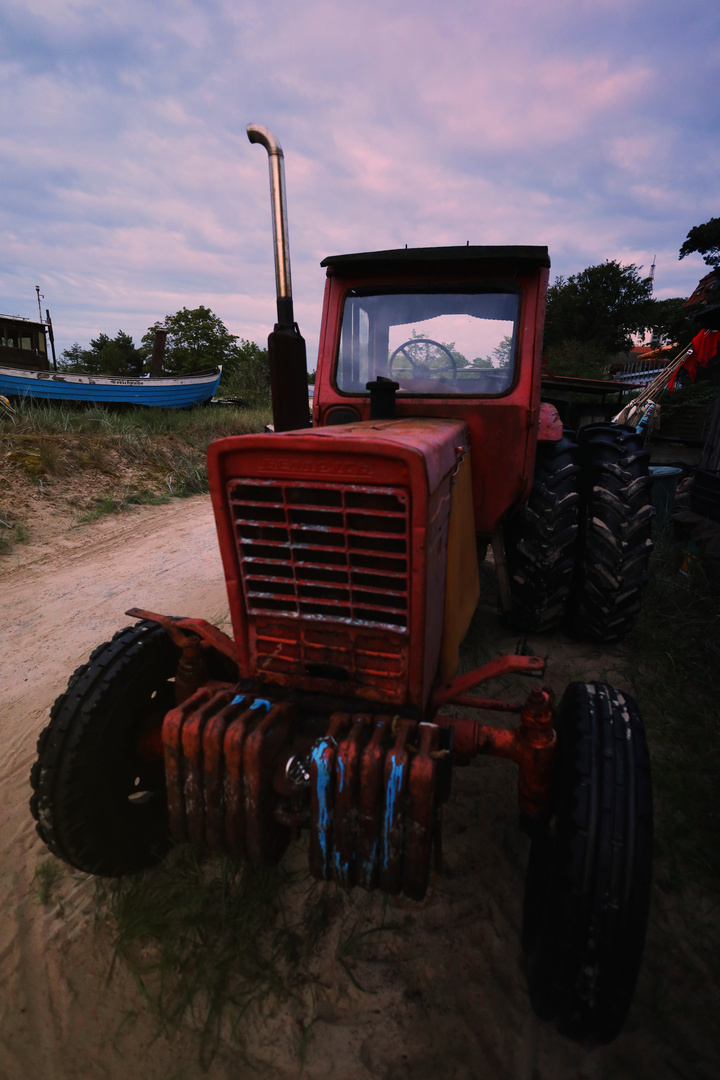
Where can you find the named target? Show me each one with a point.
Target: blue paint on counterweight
(324, 789)
(342, 870)
(393, 788)
(367, 866)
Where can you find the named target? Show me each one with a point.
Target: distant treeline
(196, 339)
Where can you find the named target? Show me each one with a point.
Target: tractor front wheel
(587, 891)
(99, 781)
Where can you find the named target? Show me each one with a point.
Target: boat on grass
(25, 372)
(166, 392)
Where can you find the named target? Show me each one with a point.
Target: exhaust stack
(286, 346)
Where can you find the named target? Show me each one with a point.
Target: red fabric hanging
(704, 346)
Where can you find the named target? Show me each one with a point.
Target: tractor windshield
(429, 342)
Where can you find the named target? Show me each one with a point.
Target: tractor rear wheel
(615, 523)
(587, 890)
(98, 786)
(541, 539)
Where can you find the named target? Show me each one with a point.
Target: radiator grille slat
(298, 651)
(323, 551)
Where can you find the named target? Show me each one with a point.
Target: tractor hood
(439, 442)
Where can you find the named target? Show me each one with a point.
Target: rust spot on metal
(371, 802)
(174, 761)
(393, 826)
(347, 790)
(502, 665)
(532, 745)
(266, 837)
(233, 781)
(214, 772)
(420, 814)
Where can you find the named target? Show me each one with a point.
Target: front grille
(331, 552)
(343, 655)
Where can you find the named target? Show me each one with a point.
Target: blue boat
(167, 392)
(25, 372)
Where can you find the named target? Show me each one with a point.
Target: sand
(442, 997)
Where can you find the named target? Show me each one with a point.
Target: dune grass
(147, 455)
(194, 426)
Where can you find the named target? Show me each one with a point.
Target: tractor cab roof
(517, 259)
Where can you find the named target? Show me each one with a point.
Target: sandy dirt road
(443, 997)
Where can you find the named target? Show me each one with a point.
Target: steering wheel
(421, 358)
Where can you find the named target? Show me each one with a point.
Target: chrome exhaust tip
(286, 346)
(276, 161)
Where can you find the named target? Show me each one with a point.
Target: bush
(247, 376)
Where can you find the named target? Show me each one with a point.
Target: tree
(118, 355)
(72, 359)
(196, 339)
(705, 239)
(602, 305)
(247, 376)
(106, 356)
(501, 353)
(669, 321)
(580, 359)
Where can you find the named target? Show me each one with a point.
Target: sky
(128, 187)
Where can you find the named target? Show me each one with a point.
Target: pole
(51, 336)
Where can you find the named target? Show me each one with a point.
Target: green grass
(10, 535)
(196, 426)
(106, 505)
(208, 939)
(151, 454)
(205, 940)
(47, 879)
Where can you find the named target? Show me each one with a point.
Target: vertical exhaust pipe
(286, 346)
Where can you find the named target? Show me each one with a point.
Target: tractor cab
(452, 333)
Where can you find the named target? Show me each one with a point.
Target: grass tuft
(205, 940)
(10, 535)
(47, 878)
(188, 475)
(107, 505)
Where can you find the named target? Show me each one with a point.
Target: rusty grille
(323, 551)
(359, 656)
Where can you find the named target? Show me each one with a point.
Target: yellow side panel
(462, 582)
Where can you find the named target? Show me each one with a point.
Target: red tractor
(350, 550)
